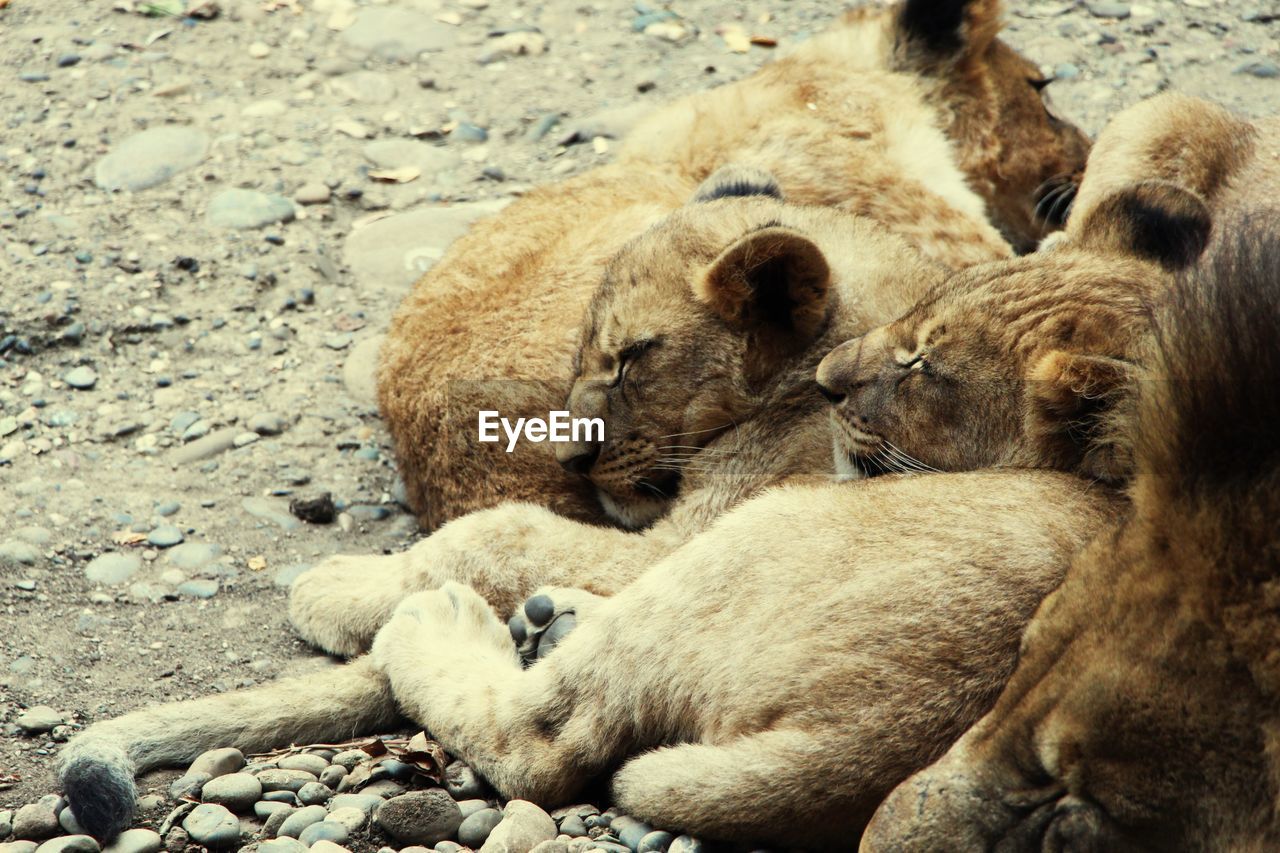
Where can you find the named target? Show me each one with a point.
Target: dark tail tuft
(97, 778)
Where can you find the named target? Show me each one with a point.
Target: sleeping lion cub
(916, 116)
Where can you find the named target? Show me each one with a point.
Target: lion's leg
(504, 553)
(779, 785)
(452, 668)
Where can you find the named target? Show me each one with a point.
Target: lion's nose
(580, 461)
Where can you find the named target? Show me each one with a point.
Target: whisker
(695, 432)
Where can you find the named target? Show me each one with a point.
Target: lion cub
(916, 116)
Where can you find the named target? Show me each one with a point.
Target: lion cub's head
(1018, 152)
(715, 314)
(1021, 362)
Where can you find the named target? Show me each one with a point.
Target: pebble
(655, 842)
(216, 762)
(312, 192)
(259, 50)
(363, 802)
(359, 371)
(420, 817)
(212, 825)
(312, 764)
(348, 759)
(112, 568)
(353, 819)
(240, 208)
(470, 807)
(135, 841)
(165, 536)
(39, 719)
(69, 844)
(35, 821)
(286, 575)
(301, 819)
(282, 845)
(555, 846)
(271, 826)
(204, 445)
(523, 827)
(573, 825)
(685, 844)
(275, 512)
(192, 556)
(391, 254)
(199, 588)
(236, 791)
(428, 159)
(18, 847)
(81, 378)
(1101, 9)
(629, 830)
(397, 34)
(332, 775)
(188, 786)
(264, 809)
(244, 439)
(1265, 69)
(20, 553)
(314, 794)
(325, 830)
(475, 829)
(150, 158)
(323, 846)
(71, 826)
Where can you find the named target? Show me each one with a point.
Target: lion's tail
(98, 766)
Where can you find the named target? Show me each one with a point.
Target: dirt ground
(225, 370)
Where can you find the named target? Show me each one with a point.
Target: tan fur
(700, 392)
(1142, 715)
(858, 119)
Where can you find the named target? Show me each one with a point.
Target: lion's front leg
(453, 668)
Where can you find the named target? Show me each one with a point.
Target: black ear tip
(937, 24)
(1171, 225)
(737, 182)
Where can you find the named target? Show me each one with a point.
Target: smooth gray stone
(420, 817)
(112, 568)
(474, 830)
(237, 208)
(212, 825)
(301, 819)
(325, 830)
(236, 791)
(135, 841)
(150, 158)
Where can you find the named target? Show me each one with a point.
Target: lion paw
(546, 618)
(441, 624)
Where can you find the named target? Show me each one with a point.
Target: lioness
(1145, 710)
(916, 116)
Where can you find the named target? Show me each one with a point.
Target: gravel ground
(206, 222)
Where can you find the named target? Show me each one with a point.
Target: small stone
(193, 556)
(19, 553)
(1066, 71)
(135, 841)
(18, 847)
(325, 830)
(112, 568)
(1265, 69)
(264, 809)
(470, 807)
(685, 844)
(397, 34)
(573, 825)
(35, 821)
(69, 844)
(313, 764)
(323, 846)
(462, 783)
(314, 794)
(188, 786)
(629, 830)
(71, 826)
(282, 845)
(236, 791)
(352, 818)
(271, 826)
(312, 192)
(39, 719)
(212, 825)
(655, 842)
(244, 439)
(240, 208)
(150, 158)
(81, 378)
(350, 758)
(474, 830)
(277, 513)
(523, 827)
(333, 774)
(259, 50)
(301, 819)
(1101, 9)
(420, 817)
(165, 536)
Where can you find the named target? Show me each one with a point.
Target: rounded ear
(772, 282)
(1153, 220)
(938, 32)
(737, 181)
(1075, 402)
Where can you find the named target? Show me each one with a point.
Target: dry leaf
(257, 563)
(403, 175)
(128, 537)
(764, 41)
(3, 3)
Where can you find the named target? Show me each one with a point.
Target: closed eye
(916, 363)
(628, 356)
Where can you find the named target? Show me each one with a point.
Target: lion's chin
(633, 512)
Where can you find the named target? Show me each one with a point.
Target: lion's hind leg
(786, 786)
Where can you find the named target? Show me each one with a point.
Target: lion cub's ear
(734, 181)
(772, 286)
(1154, 220)
(932, 34)
(1074, 404)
